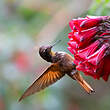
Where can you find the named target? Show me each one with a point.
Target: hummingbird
(61, 64)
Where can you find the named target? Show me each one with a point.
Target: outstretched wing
(50, 76)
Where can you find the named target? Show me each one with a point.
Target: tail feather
(77, 76)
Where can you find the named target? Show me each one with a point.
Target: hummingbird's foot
(74, 72)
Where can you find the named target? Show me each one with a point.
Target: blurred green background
(25, 25)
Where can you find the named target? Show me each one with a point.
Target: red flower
(90, 45)
(22, 61)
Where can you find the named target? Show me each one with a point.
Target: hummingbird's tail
(77, 76)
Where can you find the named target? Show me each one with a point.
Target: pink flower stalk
(90, 45)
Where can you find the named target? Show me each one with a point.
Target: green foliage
(28, 14)
(100, 8)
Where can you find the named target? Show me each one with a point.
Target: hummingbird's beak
(56, 43)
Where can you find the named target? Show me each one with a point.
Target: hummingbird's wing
(77, 76)
(50, 76)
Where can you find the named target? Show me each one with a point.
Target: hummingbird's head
(45, 53)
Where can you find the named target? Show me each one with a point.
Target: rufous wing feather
(50, 76)
(77, 76)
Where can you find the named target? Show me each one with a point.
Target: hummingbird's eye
(47, 50)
